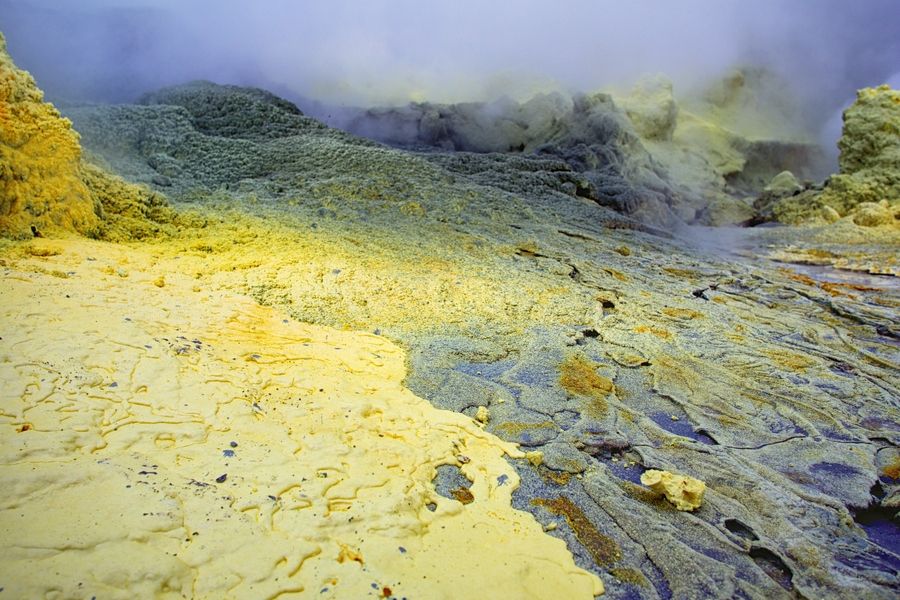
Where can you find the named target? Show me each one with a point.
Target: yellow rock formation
(40, 182)
(166, 442)
(686, 493)
(870, 157)
(45, 184)
(866, 192)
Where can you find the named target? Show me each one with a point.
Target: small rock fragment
(685, 492)
(872, 214)
(463, 495)
(535, 457)
(482, 415)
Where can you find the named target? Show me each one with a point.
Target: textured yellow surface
(686, 493)
(157, 441)
(45, 184)
(366, 279)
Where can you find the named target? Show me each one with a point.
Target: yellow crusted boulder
(686, 493)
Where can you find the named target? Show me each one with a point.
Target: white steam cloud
(365, 52)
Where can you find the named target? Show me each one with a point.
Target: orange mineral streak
(578, 376)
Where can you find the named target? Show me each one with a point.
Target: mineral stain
(578, 376)
(603, 549)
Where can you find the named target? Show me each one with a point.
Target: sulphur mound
(162, 442)
(719, 143)
(686, 493)
(44, 182)
(870, 153)
(867, 188)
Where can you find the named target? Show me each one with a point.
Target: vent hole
(740, 530)
(773, 566)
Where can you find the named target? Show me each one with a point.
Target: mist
(384, 52)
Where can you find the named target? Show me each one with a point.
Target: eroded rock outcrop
(40, 161)
(867, 188)
(724, 142)
(870, 153)
(602, 156)
(644, 153)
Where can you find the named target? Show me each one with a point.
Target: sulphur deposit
(164, 442)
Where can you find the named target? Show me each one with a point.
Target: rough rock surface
(640, 152)
(40, 183)
(590, 138)
(217, 449)
(606, 348)
(652, 108)
(728, 140)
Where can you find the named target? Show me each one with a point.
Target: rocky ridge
(641, 151)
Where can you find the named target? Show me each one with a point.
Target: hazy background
(369, 52)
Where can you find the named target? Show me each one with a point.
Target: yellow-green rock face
(871, 134)
(870, 156)
(868, 185)
(46, 184)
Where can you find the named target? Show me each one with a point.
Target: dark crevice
(658, 580)
(603, 447)
(761, 446)
(886, 331)
(741, 530)
(530, 253)
(705, 437)
(773, 566)
(575, 274)
(577, 236)
(880, 523)
(701, 293)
